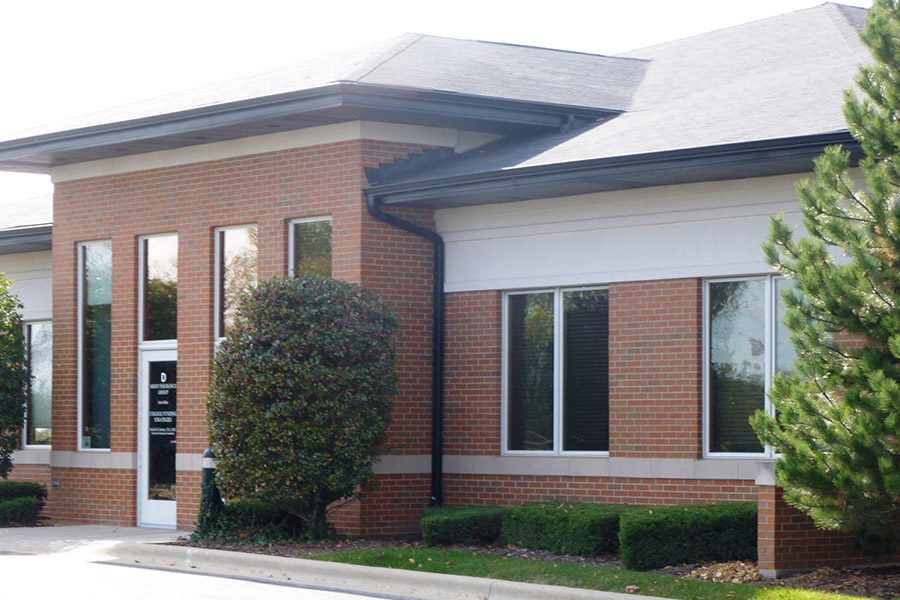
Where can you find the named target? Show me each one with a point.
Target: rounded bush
(302, 395)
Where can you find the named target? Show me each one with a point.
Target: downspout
(437, 340)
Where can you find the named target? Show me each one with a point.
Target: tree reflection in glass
(238, 248)
(161, 288)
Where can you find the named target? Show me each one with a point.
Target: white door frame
(150, 513)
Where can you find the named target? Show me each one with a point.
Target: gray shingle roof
(32, 212)
(776, 78)
(411, 61)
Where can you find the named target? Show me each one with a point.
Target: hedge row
(579, 529)
(652, 538)
(646, 538)
(21, 502)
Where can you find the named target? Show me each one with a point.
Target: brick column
(788, 540)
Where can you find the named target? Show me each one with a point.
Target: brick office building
(571, 241)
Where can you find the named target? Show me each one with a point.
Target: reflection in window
(531, 367)
(748, 344)
(39, 341)
(311, 243)
(236, 252)
(737, 368)
(558, 364)
(160, 286)
(95, 280)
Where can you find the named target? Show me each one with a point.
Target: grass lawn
(457, 562)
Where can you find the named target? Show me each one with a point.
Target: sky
(60, 59)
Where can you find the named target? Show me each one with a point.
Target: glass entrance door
(158, 425)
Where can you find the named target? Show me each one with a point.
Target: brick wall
(191, 200)
(790, 541)
(37, 473)
(520, 489)
(655, 369)
(472, 363)
(93, 496)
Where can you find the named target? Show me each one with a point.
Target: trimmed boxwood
(21, 489)
(23, 510)
(655, 537)
(461, 525)
(580, 529)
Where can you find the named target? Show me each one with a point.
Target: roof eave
(690, 165)
(328, 104)
(26, 239)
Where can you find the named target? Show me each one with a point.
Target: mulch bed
(874, 582)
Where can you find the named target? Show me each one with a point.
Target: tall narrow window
(310, 247)
(38, 421)
(531, 372)
(557, 371)
(747, 343)
(160, 287)
(236, 251)
(95, 328)
(586, 370)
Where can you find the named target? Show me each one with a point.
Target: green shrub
(21, 489)
(580, 529)
(249, 520)
(302, 395)
(655, 537)
(23, 510)
(461, 525)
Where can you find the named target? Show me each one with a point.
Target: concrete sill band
(373, 581)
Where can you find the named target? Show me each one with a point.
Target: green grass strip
(457, 562)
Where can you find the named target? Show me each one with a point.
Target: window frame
(292, 240)
(79, 247)
(142, 276)
(558, 375)
(26, 325)
(218, 317)
(770, 294)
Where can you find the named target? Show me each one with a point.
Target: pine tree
(838, 413)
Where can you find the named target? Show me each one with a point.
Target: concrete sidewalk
(147, 548)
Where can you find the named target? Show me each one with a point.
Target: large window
(747, 343)
(159, 288)
(556, 360)
(310, 247)
(38, 421)
(235, 272)
(95, 336)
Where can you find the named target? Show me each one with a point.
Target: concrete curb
(349, 578)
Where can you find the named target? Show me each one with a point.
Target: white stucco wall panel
(694, 230)
(31, 275)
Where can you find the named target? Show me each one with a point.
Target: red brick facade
(655, 347)
(192, 200)
(789, 540)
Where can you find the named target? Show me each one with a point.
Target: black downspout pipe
(437, 341)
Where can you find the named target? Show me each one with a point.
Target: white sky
(64, 58)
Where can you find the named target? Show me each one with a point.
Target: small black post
(208, 484)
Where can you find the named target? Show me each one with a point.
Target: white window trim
(292, 236)
(770, 295)
(80, 346)
(25, 444)
(558, 362)
(143, 344)
(217, 277)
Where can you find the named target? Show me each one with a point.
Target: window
(159, 288)
(95, 339)
(310, 247)
(235, 272)
(744, 323)
(556, 371)
(39, 346)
